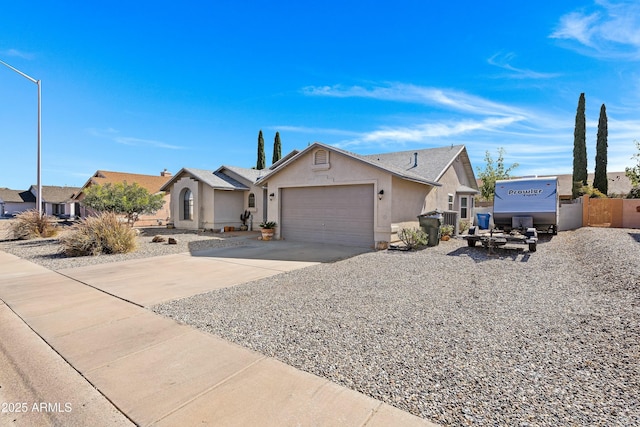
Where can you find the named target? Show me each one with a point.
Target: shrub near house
(129, 200)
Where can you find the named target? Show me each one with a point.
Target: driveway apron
(158, 372)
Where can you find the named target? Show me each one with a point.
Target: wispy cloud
(17, 54)
(611, 31)
(114, 135)
(400, 92)
(503, 61)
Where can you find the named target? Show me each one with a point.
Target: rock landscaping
(454, 334)
(450, 333)
(151, 242)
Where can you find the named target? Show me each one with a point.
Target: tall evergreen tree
(277, 149)
(600, 180)
(580, 148)
(262, 160)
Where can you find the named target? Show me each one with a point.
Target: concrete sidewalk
(159, 372)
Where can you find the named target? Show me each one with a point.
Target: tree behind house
(580, 149)
(493, 171)
(277, 149)
(600, 180)
(261, 164)
(129, 200)
(633, 173)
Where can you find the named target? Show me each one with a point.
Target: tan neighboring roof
(619, 184)
(56, 194)
(152, 183)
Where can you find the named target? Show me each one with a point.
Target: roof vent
(415, 161)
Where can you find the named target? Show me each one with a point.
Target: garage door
(338, 214)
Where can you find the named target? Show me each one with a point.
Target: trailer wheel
(471, 243)
(532, 247)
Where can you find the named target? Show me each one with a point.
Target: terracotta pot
(267, 233)
(445, 238)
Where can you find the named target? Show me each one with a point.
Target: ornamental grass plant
(101, 234)
(32, 225)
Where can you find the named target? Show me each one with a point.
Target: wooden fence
(616, 213)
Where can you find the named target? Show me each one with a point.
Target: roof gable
(214, 179)
(371, 160)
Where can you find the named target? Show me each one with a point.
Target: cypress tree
(600, 180)
(580, 148)
(277, 149)
(261, 156)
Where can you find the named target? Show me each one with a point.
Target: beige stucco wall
(228, 205)
(408, 200)
(631, 213)
(344, 170)
(160, 217)
(451, 180)
(176, 203)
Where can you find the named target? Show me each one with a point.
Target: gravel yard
(46, 252)
(456, 335)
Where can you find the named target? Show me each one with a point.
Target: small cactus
(244, 217)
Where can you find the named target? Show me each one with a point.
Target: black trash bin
(430, 223)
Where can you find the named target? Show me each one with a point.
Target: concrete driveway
(150, 281)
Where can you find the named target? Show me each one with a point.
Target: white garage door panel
(339, 214)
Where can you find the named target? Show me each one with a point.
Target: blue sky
(143, 86)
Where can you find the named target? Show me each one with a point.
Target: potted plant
(445, 232)
(244, 217)
(268, 228)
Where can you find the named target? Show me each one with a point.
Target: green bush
(446, 230)
(102, 234)
(464, 226)
(592, 192)
(634, 193)
(413, 237)
(31, 225)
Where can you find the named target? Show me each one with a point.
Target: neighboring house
(152, 183)
(58, 201)
(328, 195)
(619, 185)
(214, 199)
(13, 202)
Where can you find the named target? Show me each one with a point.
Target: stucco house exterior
(13, 202)
(152, 183)
(214, 199)
(328, 195)
(58, 201)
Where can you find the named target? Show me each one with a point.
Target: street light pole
(39, 167)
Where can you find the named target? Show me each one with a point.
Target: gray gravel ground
(47, 252)
(456, 335)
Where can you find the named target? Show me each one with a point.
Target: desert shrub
(592, 192)
(31, 225)
(446, 230)
(413, 237)
(634, 193)
(102, 234)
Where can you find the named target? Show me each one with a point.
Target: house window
(252, 200)
(187, 205)
(450, 202)
(321, 157)
(464, 207)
